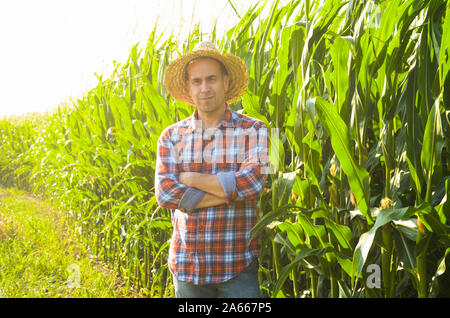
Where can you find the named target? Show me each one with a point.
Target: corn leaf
(341, 143)
(366, 239)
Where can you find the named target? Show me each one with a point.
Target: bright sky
(51, 49)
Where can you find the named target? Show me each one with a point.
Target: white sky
(51, 49)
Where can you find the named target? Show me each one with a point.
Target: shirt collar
(227, 120)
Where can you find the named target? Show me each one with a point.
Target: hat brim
(175, 83)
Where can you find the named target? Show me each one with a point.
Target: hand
(188, 178)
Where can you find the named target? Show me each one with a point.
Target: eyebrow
(199, 78)
(222, 67)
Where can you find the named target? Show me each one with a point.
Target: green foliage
(357, 91)
(41, 256)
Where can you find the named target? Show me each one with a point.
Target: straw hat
(175, 82)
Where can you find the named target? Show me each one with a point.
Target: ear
(226, 82)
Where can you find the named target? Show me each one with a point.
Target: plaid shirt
(212, 245)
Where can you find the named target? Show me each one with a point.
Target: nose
(204, 86)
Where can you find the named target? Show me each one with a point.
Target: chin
(207, 106)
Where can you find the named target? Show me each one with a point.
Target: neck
(211, 119)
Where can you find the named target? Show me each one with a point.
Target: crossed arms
(192, 190)
(208, 183)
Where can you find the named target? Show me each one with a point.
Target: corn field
(359, 204)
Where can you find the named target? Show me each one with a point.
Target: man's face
(207, 85)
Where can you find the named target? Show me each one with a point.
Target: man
(209, 172)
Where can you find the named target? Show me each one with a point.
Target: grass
(41, 255)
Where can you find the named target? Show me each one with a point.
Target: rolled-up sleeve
(248, 182)
(169, 192)
(190, 199)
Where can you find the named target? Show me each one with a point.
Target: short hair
(222, 67)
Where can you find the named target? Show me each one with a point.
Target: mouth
(206, 98)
